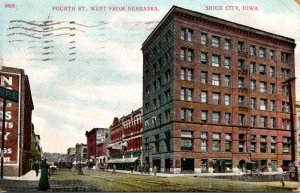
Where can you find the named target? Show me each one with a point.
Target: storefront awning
(113, 161)
(115, 146)
(128, 160)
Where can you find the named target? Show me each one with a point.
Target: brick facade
(191, 109)
(126, 140)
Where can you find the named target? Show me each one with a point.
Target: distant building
(126, 141)
(71, 154)
(96, 144)
(81, 152)
(17, 153)
(35, 149)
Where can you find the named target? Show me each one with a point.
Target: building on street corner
(298, 130)
(18, 123)
(96, 144)
(214, 96)
(125, 148)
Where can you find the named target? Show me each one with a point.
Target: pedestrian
(154, 170)
(114, 169)
(131, 168)
(36, 168)
(44, 182)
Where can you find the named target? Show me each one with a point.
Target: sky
(87, 69)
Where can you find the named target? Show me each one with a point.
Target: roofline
(216, 19)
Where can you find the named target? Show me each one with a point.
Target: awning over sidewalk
(128, 160)
(123, 160)
(115, 146)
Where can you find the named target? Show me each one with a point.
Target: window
(285, 73)
(241, 119)
(204, 96)
(215, 41)
(241, 82)
(286, 142)
(216, 98)
(227, 62)
(227, 118)
(241, 143)
(241, 64)
(227, 44)
(241, 46)
(190, 74)
(253, 104)
(168, 75)
(273, 122)
(204, 116)
(227, 82)
(228, 142)
(204, 58)
(241, 101)
(273, 88)
(263, 104)
(168, 140)
(252, 50)
(216, 60)
(187, 114)
(204, 38)
(262, 69)
(167, 115)
(204, 78)
(216, 142)
(263, 87)
(252, 68)
(187, 54)
(190, 94)
(252, 85)
(156, 143)
(272, 105)
(204, 165)
(272, 54)
(186, 94)
(253, 121)
(216, 117)
(187, 140)
(227, 99)
(285, 57)
(204, 146)
(273, 144)
(262, 52)
(187, 34)
(168, 95)
(263, 144)
(272, 71)
(263, 121)
(253, 147)
(216, 79)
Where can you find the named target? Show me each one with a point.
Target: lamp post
(293, 141)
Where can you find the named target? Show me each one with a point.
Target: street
(97, 181)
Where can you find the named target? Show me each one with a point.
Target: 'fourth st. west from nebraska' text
(105, 8)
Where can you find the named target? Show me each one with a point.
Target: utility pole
(293, 140)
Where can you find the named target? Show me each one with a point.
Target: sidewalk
(191, 175)
(29, 176)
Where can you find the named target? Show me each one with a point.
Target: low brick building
(214, 95)
(125, 148)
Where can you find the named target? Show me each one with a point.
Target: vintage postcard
(148, 95)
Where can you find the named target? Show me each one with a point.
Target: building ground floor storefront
(239, 163)
(126, 161)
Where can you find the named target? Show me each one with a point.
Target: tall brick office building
(213, 95)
